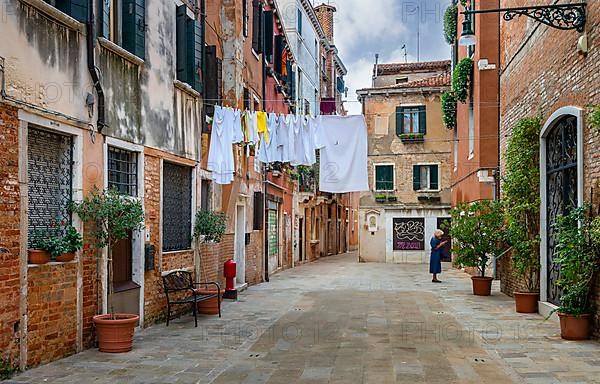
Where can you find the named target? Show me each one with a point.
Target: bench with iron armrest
(182, 281)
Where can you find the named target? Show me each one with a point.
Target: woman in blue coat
(435, 261)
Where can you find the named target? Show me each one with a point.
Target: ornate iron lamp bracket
(559, 16)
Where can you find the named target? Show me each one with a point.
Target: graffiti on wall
(408, 234)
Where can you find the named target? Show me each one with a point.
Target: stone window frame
(79, 169)
(393, 165)
(439, 167)
(138, 237)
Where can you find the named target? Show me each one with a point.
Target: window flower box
(380, 198)
(392, 199)
(412, 137)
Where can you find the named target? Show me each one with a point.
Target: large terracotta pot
(66, 257)
(115, 332)
(575, 327)
(209, 306)
(482, 286)
(526, 302)
(37, 256)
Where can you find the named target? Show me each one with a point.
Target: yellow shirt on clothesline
(262, 125)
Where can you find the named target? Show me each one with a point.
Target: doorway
(240, 245)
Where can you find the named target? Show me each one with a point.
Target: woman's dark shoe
(436, 281)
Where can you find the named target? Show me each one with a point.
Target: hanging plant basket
(461, 79)
(449, 109)
(450, 24)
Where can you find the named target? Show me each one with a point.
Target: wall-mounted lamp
(559, 16)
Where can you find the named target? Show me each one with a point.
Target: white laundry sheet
(220, 153)
(342, 141)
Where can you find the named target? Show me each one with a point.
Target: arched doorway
(561, 169)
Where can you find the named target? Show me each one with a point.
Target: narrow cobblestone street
(338, 321)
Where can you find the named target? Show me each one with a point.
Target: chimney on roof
(376, 68)
(325, 16)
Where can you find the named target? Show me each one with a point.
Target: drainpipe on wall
(91, 64)
(203, 21)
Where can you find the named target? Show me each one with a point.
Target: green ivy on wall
(450, 24)
(449, 109)
(521, 194)
(461, 79)
(595, 117)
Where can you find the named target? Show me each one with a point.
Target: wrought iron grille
(177, 207)
(561, 182)
(122, 171)
(50, 180)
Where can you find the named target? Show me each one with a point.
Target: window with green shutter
(411, 120)
(77, 9)
(299, 22)
(269, 27)
(384, 177)
(134, 27)
(189, 49)
(257, 24)
(426, 177)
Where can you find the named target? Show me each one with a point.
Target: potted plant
(521, 195)
(380, 198)
(38, 254)
(72, 242)
(578, 260)
(477, 233)
(209, 227)
(115, 216)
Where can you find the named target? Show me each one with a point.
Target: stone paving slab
(339, 321)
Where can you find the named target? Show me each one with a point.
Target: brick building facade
(544, 74)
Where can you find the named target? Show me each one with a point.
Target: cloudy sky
(366, 27)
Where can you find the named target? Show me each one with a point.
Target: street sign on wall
(408, 234)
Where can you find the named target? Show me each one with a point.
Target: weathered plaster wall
(45, 58)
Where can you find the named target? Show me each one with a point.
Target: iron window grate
(50, 183)
(177, 207)
(122, 171)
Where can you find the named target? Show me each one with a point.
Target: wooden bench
(179, 282)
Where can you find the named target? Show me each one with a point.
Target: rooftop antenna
(405, 53)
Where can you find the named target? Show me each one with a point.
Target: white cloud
(366, 27)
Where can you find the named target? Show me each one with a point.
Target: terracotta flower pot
(526, 302)
(37, 256)
(209, 306)
(575, 327)
(66, 257)
(115, 332)
(482, 286)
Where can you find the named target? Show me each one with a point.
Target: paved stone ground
(338, 321)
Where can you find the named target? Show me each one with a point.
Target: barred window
(50, 180)
(177, 207)
(122, 171)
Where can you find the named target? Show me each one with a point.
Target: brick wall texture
(542, 72)
(9, 233)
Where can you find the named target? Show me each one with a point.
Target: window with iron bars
(50, 183)
(122, 171)
(177, 207)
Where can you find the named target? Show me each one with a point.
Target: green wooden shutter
(198, 62)
(105, 19)
(300, 22)
(422, 119)
(134, 27)
(278, 53)
(77, 9)
(399, 121)
(433, 177)
(256, 26)
(212, 87)
(268, 32)
(416, 177)
(181, 44)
